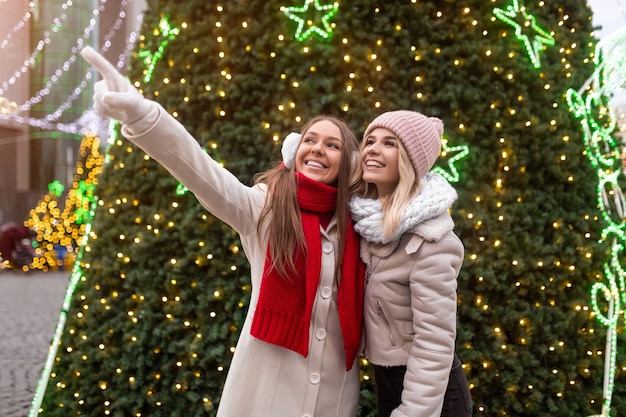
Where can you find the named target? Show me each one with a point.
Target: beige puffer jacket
(410, 294)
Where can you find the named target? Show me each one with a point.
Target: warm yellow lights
(502, 116)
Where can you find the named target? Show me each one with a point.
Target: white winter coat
(264, 380)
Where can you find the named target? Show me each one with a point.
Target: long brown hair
(285, 234)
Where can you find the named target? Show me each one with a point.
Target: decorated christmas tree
(61, 227)
(162, 288)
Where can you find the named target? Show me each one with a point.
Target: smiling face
(379, 160)
(319, 154)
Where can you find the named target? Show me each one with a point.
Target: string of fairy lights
(12, 111)
(41, 44)
(19, 26)
(535, 40)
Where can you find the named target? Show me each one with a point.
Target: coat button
(327, 247)
(320, 334)
(315, 378)
(326, 292)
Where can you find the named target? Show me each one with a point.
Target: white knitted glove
(115, 97)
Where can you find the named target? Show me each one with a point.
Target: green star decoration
(306, 16)
(451, 155)
(532, 36)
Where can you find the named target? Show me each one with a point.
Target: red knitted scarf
(283, 311)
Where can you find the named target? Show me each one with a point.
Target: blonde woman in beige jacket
(297, 352)
(413, 259)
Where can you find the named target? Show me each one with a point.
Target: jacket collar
(430, 230)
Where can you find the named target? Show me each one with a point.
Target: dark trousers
(389, 381)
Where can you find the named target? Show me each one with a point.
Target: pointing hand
(114, 96)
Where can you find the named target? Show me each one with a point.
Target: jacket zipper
(381, 312)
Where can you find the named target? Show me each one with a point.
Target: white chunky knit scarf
(436, 197)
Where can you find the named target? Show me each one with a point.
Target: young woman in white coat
(297, 352)
(413, 259)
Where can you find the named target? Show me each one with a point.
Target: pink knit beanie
(420, 135)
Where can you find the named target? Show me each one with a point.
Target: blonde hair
(409, 186)
(285, 234)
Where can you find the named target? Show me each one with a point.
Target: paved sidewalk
(30, 304)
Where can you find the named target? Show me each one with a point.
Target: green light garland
(529, 33)
(151, 59)
(604, 156)
(56, 338)
(299, 15)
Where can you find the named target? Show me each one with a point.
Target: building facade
(45, 88)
